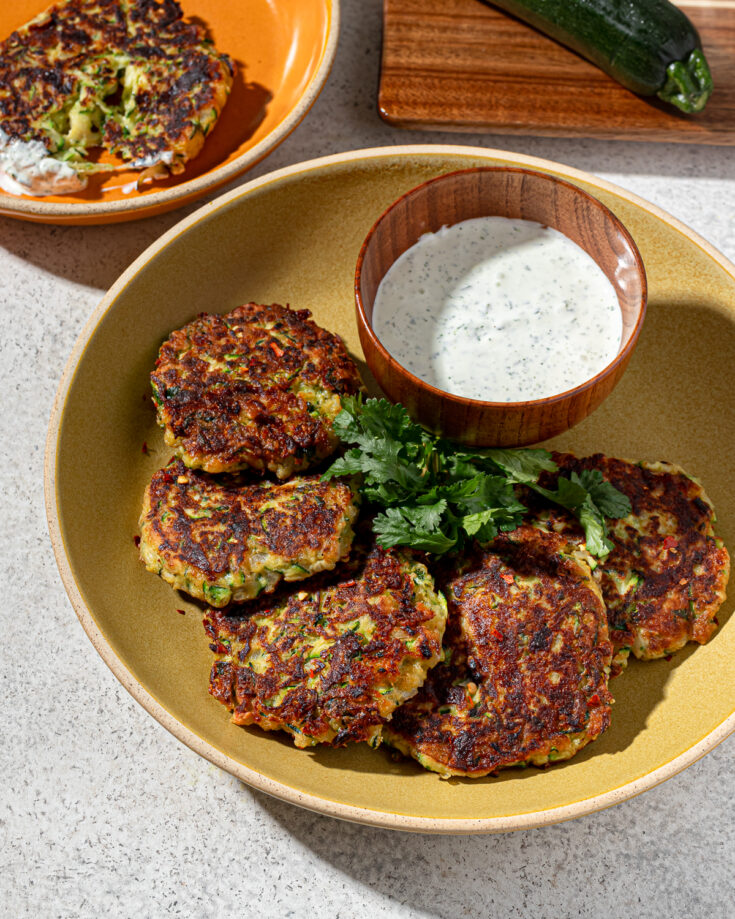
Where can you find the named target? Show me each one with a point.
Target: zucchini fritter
(130, 76)
(666, 577)
(223, 541)
(258, 387)
(526, 662)
(329, 663)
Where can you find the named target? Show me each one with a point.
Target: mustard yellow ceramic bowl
(293, 237)
(283, 50)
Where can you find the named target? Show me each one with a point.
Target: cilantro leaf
(473, 523)
(376, 423)
(427, 516)
(520, 466)
(607, 498)
(390, 448)
(593, 524)
(348, 464)
(578, 494)
(479, 488)
(400, 526)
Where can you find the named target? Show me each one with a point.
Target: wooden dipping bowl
(503, 192)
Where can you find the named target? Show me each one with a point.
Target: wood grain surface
(462, 65)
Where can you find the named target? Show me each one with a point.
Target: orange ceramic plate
(283, 50)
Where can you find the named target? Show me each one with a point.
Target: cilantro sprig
(435, 495)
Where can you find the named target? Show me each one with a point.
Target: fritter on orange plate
(130, 76)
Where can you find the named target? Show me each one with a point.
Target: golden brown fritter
(330, 662)
(258, 387)
(222, 540)
(128, 75)
(526, 662)
(666, 577)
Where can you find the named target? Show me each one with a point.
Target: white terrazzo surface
(103, 813)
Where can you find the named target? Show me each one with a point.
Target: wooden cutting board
(461, 65)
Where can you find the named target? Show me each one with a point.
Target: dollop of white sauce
(27, 169)
(145, 162)
(500, 310)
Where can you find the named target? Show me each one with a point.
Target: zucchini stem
(688, 83)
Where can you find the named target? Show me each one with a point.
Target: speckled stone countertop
(102, 812)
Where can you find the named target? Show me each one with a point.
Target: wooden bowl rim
(464, 401)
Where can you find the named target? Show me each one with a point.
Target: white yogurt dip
(27, 169)
(500, 310)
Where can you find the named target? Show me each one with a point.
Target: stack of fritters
(531, 642)
(128, 75)
(534, 625)
(216, 384)
(260, 388)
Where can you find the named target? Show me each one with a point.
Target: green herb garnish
(436, 495)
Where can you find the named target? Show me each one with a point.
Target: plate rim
(323, 805)
(39, 210)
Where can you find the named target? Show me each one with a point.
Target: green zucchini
(650, 46)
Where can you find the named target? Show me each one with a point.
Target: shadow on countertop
(94, 256)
